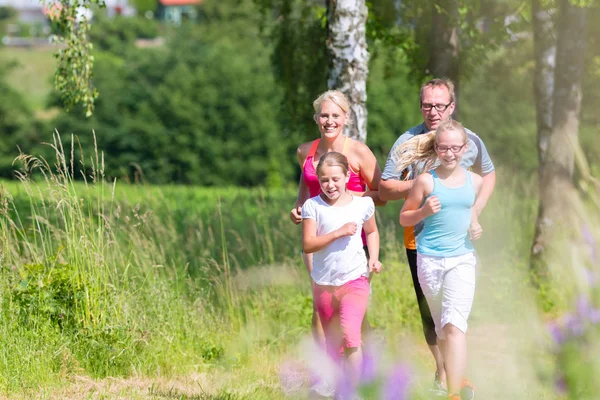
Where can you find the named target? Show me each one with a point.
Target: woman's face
(331, 120)
(450, 147)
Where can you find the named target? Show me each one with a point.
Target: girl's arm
(312, 243)
(369, 171)
(475, 230)
(414, 210)
(370, 228)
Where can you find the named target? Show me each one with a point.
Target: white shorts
(448, 284)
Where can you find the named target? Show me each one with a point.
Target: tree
(543, 80)
(349, 59)
(73, 77)
(557, 164)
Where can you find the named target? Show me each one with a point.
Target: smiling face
(450, 147)
(331, 120)
(436, 96)
(333, 181)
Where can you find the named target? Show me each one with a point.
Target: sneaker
(322, 389)
(438, 389)
(467, 390)
(454, 397)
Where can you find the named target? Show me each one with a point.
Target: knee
(452, 332)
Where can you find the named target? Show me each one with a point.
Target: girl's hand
(296, 215)
(432, 206)
(374, 266)
(475, 230)
(348, 229)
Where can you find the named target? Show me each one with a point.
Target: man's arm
(487, 187)
(394, 189)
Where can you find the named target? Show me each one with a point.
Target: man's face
(436, 106)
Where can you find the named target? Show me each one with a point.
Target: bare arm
(414, 210)
(303, 192)
(393, 189)
(303, 195)
(369, 172)
(372, 234)
(312, 243)
(487, 187)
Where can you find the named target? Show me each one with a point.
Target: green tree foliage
(15, 120)
(73, 78)
(202, 109)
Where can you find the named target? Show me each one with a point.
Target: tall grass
(103, 279)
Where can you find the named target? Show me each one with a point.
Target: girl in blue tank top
(442, 200)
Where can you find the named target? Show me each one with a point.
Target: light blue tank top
(446, 234)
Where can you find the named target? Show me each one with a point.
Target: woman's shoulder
(360, 149)
(302, 151)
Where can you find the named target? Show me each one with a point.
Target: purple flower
(344, 388)
(291, 374)
(574, 325)
(591, 242)
(561, 384)
(556, 333)
(369, 367)
(397, 385)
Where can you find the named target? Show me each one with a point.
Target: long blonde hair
(419, 151)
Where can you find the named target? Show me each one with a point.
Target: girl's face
(331, 120)
(450, 147)
(333, 181)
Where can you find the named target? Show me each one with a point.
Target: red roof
(180, 2)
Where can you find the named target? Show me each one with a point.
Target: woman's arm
(312, 243)
(414, 210)
(369, 171)
(303, 192)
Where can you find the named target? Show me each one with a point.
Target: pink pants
(341, 310)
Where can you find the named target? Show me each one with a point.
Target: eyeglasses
(444, 149)
(438, 107)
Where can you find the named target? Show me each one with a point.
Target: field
(32, 73)
(119, 291)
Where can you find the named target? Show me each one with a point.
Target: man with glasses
(437, 105)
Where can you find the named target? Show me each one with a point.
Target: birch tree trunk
(544, 43)
(349, 59)
(557, 192)
(445, 44)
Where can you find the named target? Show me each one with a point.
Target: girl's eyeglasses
(444, 149)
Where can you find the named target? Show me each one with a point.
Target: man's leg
(426, 319)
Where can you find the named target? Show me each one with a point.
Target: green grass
(32, 75)
(106, 281)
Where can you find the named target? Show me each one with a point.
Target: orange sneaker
(467, 390)
(454, 397)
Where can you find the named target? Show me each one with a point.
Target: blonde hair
(419, 151)
(333, 159)
(338, 98)
(438, 82)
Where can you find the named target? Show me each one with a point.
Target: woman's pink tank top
(309, 174)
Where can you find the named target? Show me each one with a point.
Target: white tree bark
(544, 43)
(349, 59)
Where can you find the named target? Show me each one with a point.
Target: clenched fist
(348, 229)
(432, 206)
(296, 215)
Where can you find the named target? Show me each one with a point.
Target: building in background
(177, 11)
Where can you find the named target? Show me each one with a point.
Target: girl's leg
(458, 294)
(317, 327)
(354, 298)
(455, 357)
(327, 306)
